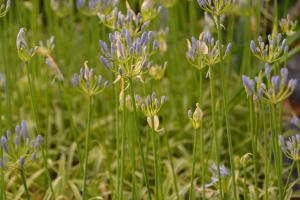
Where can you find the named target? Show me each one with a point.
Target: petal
(118, 78)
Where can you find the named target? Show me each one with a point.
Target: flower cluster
(205, 51)
(148, 11)
(292, 148)
(288, 26)
(129, 57)
(61, 7)
(53, 66)
(295, 121)
(195, 118)
(225, 177)
(23, 153)
(88, 83)
(168, 3)
(5, 8)
(269, 54)
(275, 90)
(46, 50)
(92, 7)
(135, 24)
(216, 7)
(158, 72)
(161, 37)
(23, 51)
(151, 106)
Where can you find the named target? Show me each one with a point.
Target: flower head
(195, 118)
(161, 36)
(288, 26)
(291, 150)
(87, 82)
(216, 7)
(43, 50)
(151, 106)
(4, 8)
(92, 7)
(61, 7)
(148, 11)
(245, 159)
(23, 51)
(158, 72)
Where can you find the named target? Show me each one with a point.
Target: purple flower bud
(155, 44)
(150, 36)
(283, 149)
(283, 44)
(269, 37)
(87, 85)
(208, 36)
(148, 100)
(138, 98)
(8, 134)
(128, 39)
(286, 49)
(267, 70)
(270, 92)
(277, 84)
(260, 39)
(143, 106)
(144, 65)
(260, 93)
(120, 48)
(24, 129)
(33, 157)
(151, 63)
(104, 62)
(32, 143)
(294, 84)
(120, 71)
(153, 95)
(163, 99)
(99, 80)
(190, 113)
(253, 47)
(22, 162)
(1, 163)
(143, 38)
(284, 75)
(264, 53)
(247, 83)
(281, 139)
(39, 139)
(278, 38)
(106, 83)
(17, 141)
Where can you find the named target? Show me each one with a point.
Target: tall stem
(265, 150)
(168, 147)
(123, 145)
(245, 184)
(38, 131)
(255, 155)
(193, 168)
(155, 160)
(298, 169)
(289, 178)
(116, 194)
(138, 132)
(73, 126)
(25, 185)
(224, 92)
(202, 134)
(214, 115)
(87, 143)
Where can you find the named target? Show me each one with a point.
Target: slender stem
(202, 134)
(38, 131)
(298, 169)
(245, 184)
(139, 139)
(265, 150)
(123, 145)
(193, 167)
(3, 185)
(224, 92)
(255, 155)
(214, 115)
(266, 20)
(168, 147)
(73, 126)
(289, 178)
(155, 159)
(25, 185)
(116, 194)
(87, 140)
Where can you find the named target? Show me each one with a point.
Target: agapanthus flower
(157, 72)
(291, 150)
(4, 8)
(275, 91)
(288, 26)
(23, 51)
(116, 21)
(295, 121)
(216, 7)
(161, 37)
(92, 7)
(23, 153)
(53, 66)
(148, 11)
(43, 50)
(151, 106)
(205, 51)
(168, 3)
(129, 57)
(88, 83)
(272, 53)
(196, 118)
(61, 7)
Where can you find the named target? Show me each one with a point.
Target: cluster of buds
(288, 26)
(23, 51)
(295, 121)
(92, 7)
(53, 66)
(87, 83)
(5, 8)
(158, 72)
(205, 51)
(148, 11)
(61, 7)
(275, 91)
(269, 54)
(195, 118)
(135, 24)
(23, 153)
(292, 149)
(151, 106)
(225, 177)
(130, 57)
(161, 37)
(245, 159)
(46, 50)
(168, 3)
(216, 7)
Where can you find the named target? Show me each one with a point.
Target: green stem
(123, 145)
(214, 115)
(73, 126)
(193, 167)
(168, 147)
(25, 185)
(202, 134)
(289, 178)
(3, 185)
(138, 132)
(38, 131)
(266, 20)
(265, 150)
(298, 169)
(155, 160)
(3, 193)
(116, 194)
(85, 191)
(245, 184)
(224, 92)
(255, 156)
